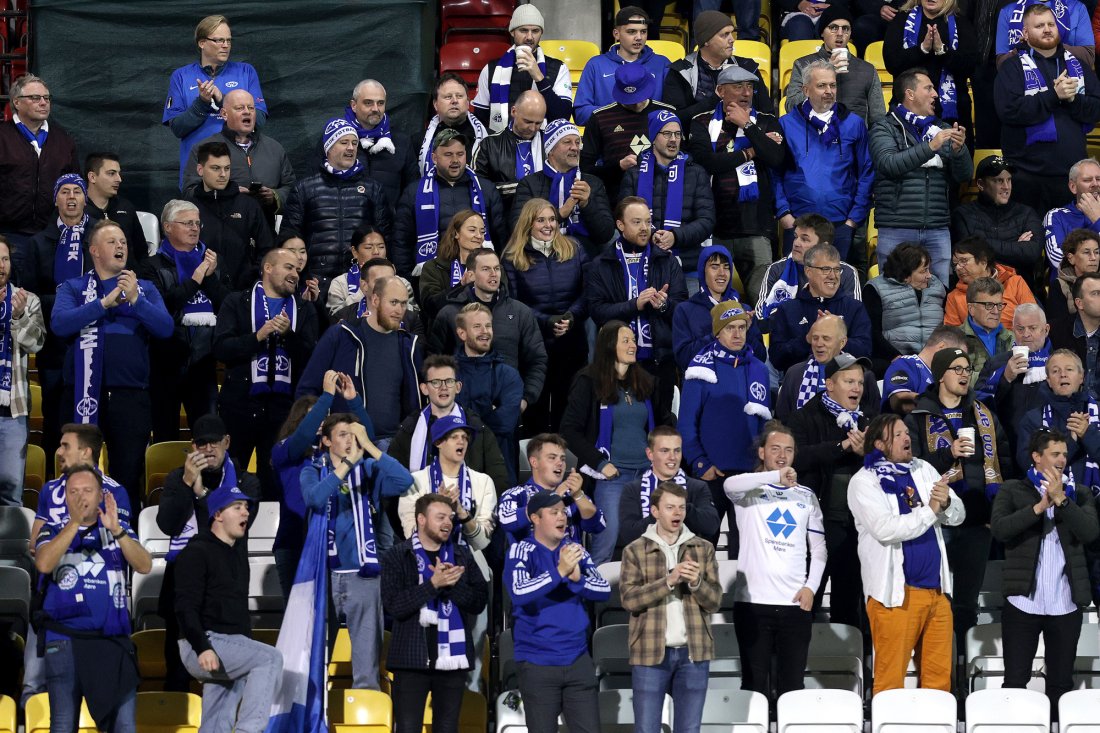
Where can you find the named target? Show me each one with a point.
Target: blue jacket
(692, 328)
(124, 329)
(1058, 223)
(716, 429)
(388, 479)
(792, 320)
(598, 79)
(342, 349)
(548, 612)
(832, 180)
(1060, 407)
(1076, 30)
(491, 389)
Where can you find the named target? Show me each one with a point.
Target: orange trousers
(922, 623)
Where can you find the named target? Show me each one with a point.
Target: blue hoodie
(598, 79)
(691, 325)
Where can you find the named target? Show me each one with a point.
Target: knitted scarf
(607, 424)
(812, 384)
(941, 434)
(355, 278)
(827, 131)
(465, 491)
(68, 258)
(198, 311)
(528, 156)
(674, 191)
(560, 185)
(751, 388)
(1039, 481)
(785, 288)
(501, 83)
(845, 418)
(357, 486)
(373, 141)
(948, 94)
(356, 167)
(636, 279)
(1092, 470)
(271, 366)
(1045, 131)
(7, 347)
(420, 448)
(919, 126)
(425, 156)
(649, 485)
(895, 479)
(177, 543)
(1036, 372)
(36, 139)
(427, 214)
(441, 612)
(88, 361)
(746, 172)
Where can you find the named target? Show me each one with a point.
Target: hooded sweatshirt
(598, 79)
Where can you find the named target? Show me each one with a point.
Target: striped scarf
(948, 94)
(357, 486)
(1092, 470)
(427, 214)
(649, 485)
(812, 384)
(465, 491)
(674, 191)
(747, 178)
(500, 86)
(1045, 131)
(440, 611)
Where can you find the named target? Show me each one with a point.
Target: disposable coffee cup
(841, 54)
(968, 434)
(1018, 351)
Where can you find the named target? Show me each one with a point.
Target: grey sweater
(858, 89)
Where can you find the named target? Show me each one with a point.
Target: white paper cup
(1020, 351)
(969, 434)
(841, 54)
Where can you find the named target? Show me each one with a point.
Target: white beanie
(526, 15)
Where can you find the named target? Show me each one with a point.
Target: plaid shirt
(643, 590)
(28, 336)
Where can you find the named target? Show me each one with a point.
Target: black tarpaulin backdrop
(107, 64)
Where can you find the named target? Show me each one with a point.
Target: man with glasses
(986, 336)
(973, 258)
(857, 84)
(962, 440)
(818, 298)
(35, 154)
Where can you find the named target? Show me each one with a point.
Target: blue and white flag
(299, 705)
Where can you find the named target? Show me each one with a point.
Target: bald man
(827, 338)
(506, 157)
(259, 166)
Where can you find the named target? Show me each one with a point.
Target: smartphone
(255, 187)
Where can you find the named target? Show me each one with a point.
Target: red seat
(465, 16)
(466, 57)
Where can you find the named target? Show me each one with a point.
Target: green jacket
(978, 354)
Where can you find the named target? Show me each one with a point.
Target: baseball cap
(633, 84)
(208, 429)
(843, 361)
(993, 166)
(542, 499)
(446, 135)
(448, 424)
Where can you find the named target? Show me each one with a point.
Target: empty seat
(7, 715)
(149, 648)
(145, 594)
(161, 459)
(574, 54)
(261, 535)
(735, 711)
(473, 718)
(466, 57)
(150, 227)
(15, 597)
(819, 711)
(150, 535)
(985, 659)
(38, 715)
(671, 50)
(34, 473)
(759, 52)
(914, 711)
(611, 656)
(475, 16)
(510, 716)
(168, 712)
(610, 611)
(360, 711)
(1008, 711)
(836, 658)
(1077, 712)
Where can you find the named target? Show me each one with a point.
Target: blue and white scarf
(425, 156)
(267, 377)
(812, 384)
(636, 279)
(1036, 372)
(607, 427)
(356, 167)
(1092, 470)
(427, 215)
(895, 479)
(1016, 19)
(674, 191)
(373, 141)
(560, 186)
(785, 288)
(753, 389)
(501, 83)
(1037, 480)
(747, 180)
(68, 258)
(1034, 83)
(88, 361)
(827, 131)
(7, 347)
(948, 94)
(420, 448)
(649, 485)
(355, 277)
(191, 528)
(440, 611)
(457, 271)
(919, 126)
(845, 418)
(199, 310)
(36, 139)
(436, 481)
(357, 486)
(528, 156)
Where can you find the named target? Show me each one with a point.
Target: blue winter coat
(792, 320)
(598, 79)
(492, 389)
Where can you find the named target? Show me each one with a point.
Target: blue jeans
(747, 13)
(936, 241)
(65, 694)
(13, 458)
(799, 27)
(608, 495)
(677, 675)
(359, 600)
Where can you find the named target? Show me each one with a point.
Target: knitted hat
(942, 361)
(335, 129)
(555, 131)
(658, 120)
(70, 179)
(708, 23)
(726, 313)
(526, 15)
(834, 11)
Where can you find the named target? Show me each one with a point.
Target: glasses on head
(190, 224)
(989, 306)
(221, 41)
(962, 371)
(437, 383)
(826, 270)
(671, 134)
(36, 97)
(834, 28)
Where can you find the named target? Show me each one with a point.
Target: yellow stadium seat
(574, 54)
(38, 715)
(7, 715)
(34, 474)
(872, 271)
(759, 52)
(252, 462)
(873, 55)
(359, 711)
(149, 646)
(339, 664)
(872, 236)
(34, 421)
(791, 51)
(168, 712)
(474, 717)
(161, 459)
(671, 50)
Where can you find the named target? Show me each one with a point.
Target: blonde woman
(545, 271)
(464, 235)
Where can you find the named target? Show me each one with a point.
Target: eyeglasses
(834, 28)
(962, 371)
(989, 306)
(36, 97)
(437, 383)
(827, 270)
(220, 41)
(671, 134)
(192, 224)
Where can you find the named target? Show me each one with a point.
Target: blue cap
(542, 499)
(222, 497)
(449, 423)
(633, 84)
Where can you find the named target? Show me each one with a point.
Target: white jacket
(485, 496)
(882, 528)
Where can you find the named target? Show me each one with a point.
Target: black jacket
(596, 216)
(1015, 523)
(211, 590)
(483, 454)
(974, 494)
(495, 160)
(605, 289)
(35, 273)
(188, 344)
(123, 213)
(413, 646)
(1009, 400)
(701, 517)
(453, 198)
(1002, 226)
(1061, 337)
(697, 215)
(393, 171)
(820, 456)
(680, 92)
(325, 210)
(234, 226)
(235, 344)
